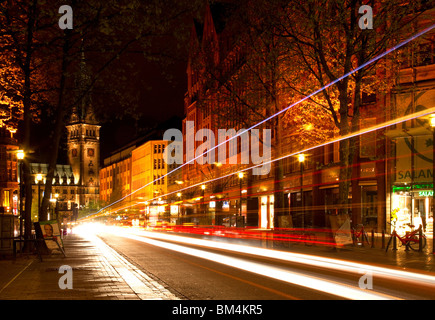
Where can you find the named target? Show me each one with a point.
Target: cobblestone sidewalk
(98, 273)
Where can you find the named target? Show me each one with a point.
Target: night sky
(161, 100)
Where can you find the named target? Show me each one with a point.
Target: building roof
(61, 169)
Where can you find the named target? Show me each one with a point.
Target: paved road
(204, 273)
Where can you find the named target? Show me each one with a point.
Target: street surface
(197, 269)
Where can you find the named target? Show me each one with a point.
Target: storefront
(410, 170)
(266, 212)
(412, 187)
(413, 206)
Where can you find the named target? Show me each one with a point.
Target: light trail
(292, 277)
(401, 44)
(329, 263)
(352, 135)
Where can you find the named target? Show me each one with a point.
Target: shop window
(331, 153)
(425, 55)
(369, 213)
(368, 98)
(6, 195)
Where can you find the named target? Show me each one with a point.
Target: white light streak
(401, 44)
(327, 286)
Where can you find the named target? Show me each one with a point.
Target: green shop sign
(425, 193)
(415, 187)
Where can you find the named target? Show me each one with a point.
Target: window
(6, 194)
(368, 98)
(368, 141)
(425, 54)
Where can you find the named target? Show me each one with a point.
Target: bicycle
(287, 238)
(362, 234)
(410, 240)
(308, 238)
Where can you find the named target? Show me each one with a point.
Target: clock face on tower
(91, 152)
(74, 153)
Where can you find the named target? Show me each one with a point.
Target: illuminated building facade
(149, 183)
(83, 143)
(115, 176)
(84, 154)
(8, 172)
(410, 166)
(391, 168)
(65, 192)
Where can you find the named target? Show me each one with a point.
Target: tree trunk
(57, 134)
(27, 116)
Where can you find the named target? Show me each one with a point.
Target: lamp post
(54, 202)
(179, 199)
(20, 157)
(203, 200)
(240, 175)
(39, 179)
(301, 159)
(432, 124)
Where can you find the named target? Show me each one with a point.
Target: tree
(248, 74)
(44, 60)
(326, 43)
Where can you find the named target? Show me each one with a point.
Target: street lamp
(20, 157)
(203, 200)
(240, 175)
(432, 124)
(301, 159)
(39, 179)
(53, 201)
(179, 197)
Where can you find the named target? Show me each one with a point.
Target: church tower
(83, 143)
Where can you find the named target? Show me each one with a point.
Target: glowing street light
(432, 124)
(179, 197)
(39, 179)
(301, 159)
(240, 175)
(20, 155)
